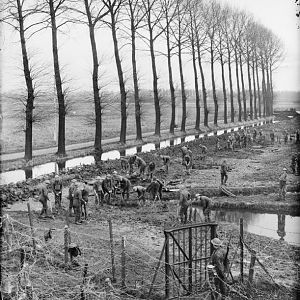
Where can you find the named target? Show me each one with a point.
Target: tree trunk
(238, 85)
(138, 123)
(230, 86)
(213, 84)
(272, 91)
(58, 82)
(97, 100)
(250, 88)
(264, 90)
(155, 79)
(243, 88)
(254, 89)
(29, 86)
(268, 92)
(204, 94)
(121, 81)
(171, 84)
(258, 87)
(183, 95)
(224, 88)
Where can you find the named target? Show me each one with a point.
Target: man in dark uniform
(224, 171)
(151, 168)
(97, 187)
(72, 189)
(124, 163)
(166, 162)
(141, 164)
(131, 161)
(77, 199)
(282, 184)
(43, 197)
(205, 203)
(221, 264)
(140, 190)
(85, 198)
(57, 190)
(107, 188)
(188, 164)
(184, 152)
(124, 185)
(155, 189)
(184, 203)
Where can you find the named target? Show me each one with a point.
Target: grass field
(79, 121)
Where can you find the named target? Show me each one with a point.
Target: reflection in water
(139, 149)
(43, 169)
(86, 160)
(165, 144)
(28, 172)
(12, 176)
(281, 226)
(182, 140)
(285, 227)
(130, 151)
(122, 152)
(157, 146)
(189, 138)
(61, 164)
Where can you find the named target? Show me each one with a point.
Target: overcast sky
(75, 52)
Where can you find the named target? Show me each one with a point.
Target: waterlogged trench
(51, 167)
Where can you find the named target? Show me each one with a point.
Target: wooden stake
(123, 264)
(242, 249)
(67, 240)
(252, 262)
(113, 268)
(82, 294)
(156, 269)
(31, 227)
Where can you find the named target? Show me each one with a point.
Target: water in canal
(276, 226)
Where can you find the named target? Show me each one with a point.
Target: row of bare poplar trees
(212, 34)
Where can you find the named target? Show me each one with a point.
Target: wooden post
(113, 268)
(22, 258)
(67, 218)
(195, 215)
(167, 268)
(252, 262)
(31, 227)
(190, 271)
(67, 240)
(123, 263)
(82, 294)
(156, 270)
(242, 249)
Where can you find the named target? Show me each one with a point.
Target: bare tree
(93, 12)
(114, 6)
(212, 19)
(201, 41)
(169, 8)
(18, 14)
(136, 16)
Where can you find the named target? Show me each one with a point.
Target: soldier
(154, 189)
(77, 199)
(203, 149)
(141, 164)
(131, 162)
(107, 187)
(71, 195)
(85, 198)
(43, 197)
(220, 262)
(293, 163)
(97, 187)
(282, 184)
(151, 168)
(124, 185)
(218, 148)
(188, 164)
(184, 152)
(238, 139)
(140, 190)
(57, 190)
(224, 172)
(124, 163)
(184, 203)
(254, 135)
(166, 161)
(272, 137)
(205, 203)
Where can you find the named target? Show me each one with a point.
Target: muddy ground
(256, 167)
